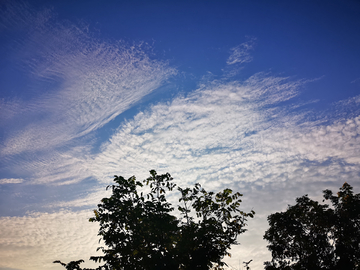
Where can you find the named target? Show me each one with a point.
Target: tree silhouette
(310, 235)
(247, 264)
(141, 232)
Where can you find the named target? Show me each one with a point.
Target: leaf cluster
(140, 231)
(310, 235)
(219, 222)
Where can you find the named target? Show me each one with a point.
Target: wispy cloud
(241, 53)
(11, 181)
(235, 131)
(356, 81)
(243, 135)
(79, 84)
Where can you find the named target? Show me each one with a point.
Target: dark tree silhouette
(140, 231)
(74, 265)
(247, 264)
(310, 235)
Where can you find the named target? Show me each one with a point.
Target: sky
(262, 97)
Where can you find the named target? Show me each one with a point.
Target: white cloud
(236, 135)
(355, 81)
(239, 135)
(79, 84)
(216, 125)
(11, 181)
(232, 131)
(221, 134)
(241, 53)
(95, 89)
(36, 240)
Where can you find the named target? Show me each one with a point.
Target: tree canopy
(140, 229)
(310, 235)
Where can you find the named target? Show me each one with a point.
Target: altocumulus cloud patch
(236, 131)
(237, 135)
(86, 83)
(33, 241)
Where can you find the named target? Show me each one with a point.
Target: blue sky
(259, 96)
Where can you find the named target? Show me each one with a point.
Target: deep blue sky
(307, 39)
(259, 96)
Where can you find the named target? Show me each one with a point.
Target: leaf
(140, 230)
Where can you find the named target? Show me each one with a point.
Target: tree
(141, 232)
(310, 235)
(247, 264)
(74, 265)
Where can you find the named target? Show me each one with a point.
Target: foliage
(74, 265)
(247, 264)
(141, 232)
(310, 235)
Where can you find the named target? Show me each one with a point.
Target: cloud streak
(81, 85)
(11, 181)
(241, 53)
